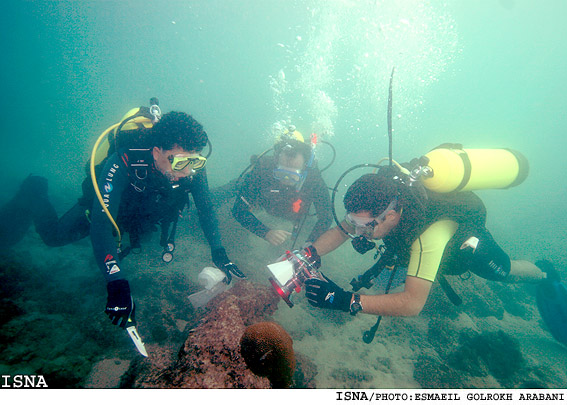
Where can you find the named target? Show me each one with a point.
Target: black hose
(252, 163)
(210, 148)
(333, 159)
(299, 226)
(334, 192)
(390, 154)
(368, 336)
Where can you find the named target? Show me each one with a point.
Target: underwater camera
(290, 272)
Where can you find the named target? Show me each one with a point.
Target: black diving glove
(310, 253)
(119, 304)
(326, 294)
(221, 260)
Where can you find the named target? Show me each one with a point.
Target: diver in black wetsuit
(141, 185)
(285, 185)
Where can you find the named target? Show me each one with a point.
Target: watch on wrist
(355, 306)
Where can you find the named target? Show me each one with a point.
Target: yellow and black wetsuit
(429, 238)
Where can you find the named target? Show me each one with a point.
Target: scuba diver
(143, 180)
(430, 224)
(426, 236)
(285, 185)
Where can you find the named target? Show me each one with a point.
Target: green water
(484, 73)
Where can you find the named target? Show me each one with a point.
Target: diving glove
(311, 255)
(221, 260)
(120, 305)
(327, 294)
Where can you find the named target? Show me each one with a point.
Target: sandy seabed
(52, 320)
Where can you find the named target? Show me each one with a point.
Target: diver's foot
(549, 269)
(17, 214)
(33, 187)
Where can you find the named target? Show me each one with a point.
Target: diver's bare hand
(277, 236)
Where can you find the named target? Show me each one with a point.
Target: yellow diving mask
(180, 162)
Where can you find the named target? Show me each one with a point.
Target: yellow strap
(95, 183)
(146, 122)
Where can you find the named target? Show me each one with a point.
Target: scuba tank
(450, 168)
(141, 117)
(136, 118)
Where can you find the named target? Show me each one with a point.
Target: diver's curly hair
(179, 129)
(372, 192)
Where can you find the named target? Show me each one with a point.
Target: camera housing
(290, 273)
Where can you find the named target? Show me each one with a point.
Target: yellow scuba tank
(136, 118)
(452, 168)
(133, 119)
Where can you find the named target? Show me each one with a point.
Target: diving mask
(288, 176)
(364, 226)
(180, 162)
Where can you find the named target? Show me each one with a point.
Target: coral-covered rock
(210, 357)
(494, 353)
(267, 349)
(305, 372)
(431, 372)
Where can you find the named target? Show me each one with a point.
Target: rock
(431, 372)
(107, 373)
(210, 357)
(494, 353)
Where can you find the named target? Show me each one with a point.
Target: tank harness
(122, 135)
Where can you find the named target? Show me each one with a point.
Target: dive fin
(17, 214)
(551, 300)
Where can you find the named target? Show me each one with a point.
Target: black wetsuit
(140, 198)
(136, 194)
(261, 189)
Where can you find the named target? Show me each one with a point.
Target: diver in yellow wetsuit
(423, 233)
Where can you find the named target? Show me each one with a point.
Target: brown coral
(267, 350)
